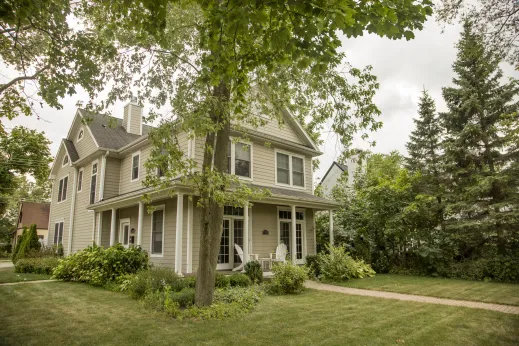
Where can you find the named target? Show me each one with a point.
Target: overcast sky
(403, 69)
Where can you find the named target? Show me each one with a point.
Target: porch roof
(280, 196)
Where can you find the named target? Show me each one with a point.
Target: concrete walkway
(26, 282)
(413, 298)
(6, 264)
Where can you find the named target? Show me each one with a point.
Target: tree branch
(4, 87)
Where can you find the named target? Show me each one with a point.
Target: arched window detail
(80, 135)
(65, 160)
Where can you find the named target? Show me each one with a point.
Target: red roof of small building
(34, 213)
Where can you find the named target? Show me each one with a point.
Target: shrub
(190, 281)
(338, 265)
(29, 242)
(98, 266)
(239, 280)
(40, 265)
(254, 271)
(184, 298)
(497, 268)
(44, 251)
(19, 240)
(288, 278)
(312, 264)
(221, 281)
(154, 279)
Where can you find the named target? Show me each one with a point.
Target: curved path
(413, 298)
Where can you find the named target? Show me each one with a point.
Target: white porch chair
(239, 250)
(281, 253)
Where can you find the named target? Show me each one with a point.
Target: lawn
(57, 313)
(489, 292)
(8, 275)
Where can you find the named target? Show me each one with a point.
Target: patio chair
(281, 253)
(239, 250)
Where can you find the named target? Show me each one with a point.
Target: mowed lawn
(57, 313)
(8, 275)
(489, 292)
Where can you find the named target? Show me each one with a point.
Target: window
(163, 166)
(80, 180)
(58, 233)
(135, 166)
(93, 183)
(65, 160)
(290, 170)
(239, 159)
(62, 190)
(232, 211)
(157, 231)
(80, 135)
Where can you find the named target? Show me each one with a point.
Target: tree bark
(212, 212)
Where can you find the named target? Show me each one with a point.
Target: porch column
(245, 233)
(139, 224)
(112, 227)
(331, 227)
(179, 226)
(189, 250)
(293, 250)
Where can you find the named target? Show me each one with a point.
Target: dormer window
(80, 135)
(65, 160)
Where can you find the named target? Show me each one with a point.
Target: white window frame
(137, 153)
(290, 178)
(80, 173)
(63, 163)
(95, 162)
(233, 157)
(163, 208)
(121, 231)
(80, 134)
(66, 194)
(303, 230)
(54, 235)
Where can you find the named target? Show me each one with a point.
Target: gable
(87, 144)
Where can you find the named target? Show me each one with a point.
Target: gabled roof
(71, 150)
(108, 131)
(335, 163)
(34, 213)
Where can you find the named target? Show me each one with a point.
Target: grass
(488, 292)
(76, 314)
(8, 275)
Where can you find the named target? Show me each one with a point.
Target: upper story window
(135, 166)
(290, 169)
(80, 135)
(62, 190)
(239, 159)
(58, 233)
(93, 183)
(65, 160)
(80, 180)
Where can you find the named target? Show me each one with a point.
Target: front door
(124, 233)
(232, 233)
(285, 237)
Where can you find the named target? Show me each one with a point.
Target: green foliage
(221, 281)
(254, 271)
(154, 279)
(36, 265)
(28, 243)
(98, 266)
(19, 240)
(338, 265)
(184, 298)
(239, 280)
(313, 266)
(288, 278)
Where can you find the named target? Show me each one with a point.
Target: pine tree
(482, 187)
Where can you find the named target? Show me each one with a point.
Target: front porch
(257, 228)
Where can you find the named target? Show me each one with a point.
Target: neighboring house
(33, 213)
(336, 170)
(98, 176)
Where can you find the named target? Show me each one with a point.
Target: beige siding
(126, 185)
(112, 176)
(86, 145)
(61, 211)
(264, 217)
(125, 117)
(136, 120)
(283, 131)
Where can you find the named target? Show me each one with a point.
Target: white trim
(121, 233)
(303, 229)
(189, 243)
(82, 171)
(140, 219)
(66, 190)
(82, 133)
(63, 163)
(102, 178)
(290, 178)
(137, 153)
(93, 225)
(233, 157)
(95, 162)
(99, 227)
(129, 118)
(87, 127)
(72, 210)
(291, 119)
(179, 228)
(158, 207)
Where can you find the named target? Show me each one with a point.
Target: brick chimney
(132, 121)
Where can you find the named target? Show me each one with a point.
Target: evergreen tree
(482, 186)
(424, 150)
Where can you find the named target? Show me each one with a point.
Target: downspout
(72, 209)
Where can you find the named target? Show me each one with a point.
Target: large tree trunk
(212, 212)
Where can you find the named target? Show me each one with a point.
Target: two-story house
(98, 176)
